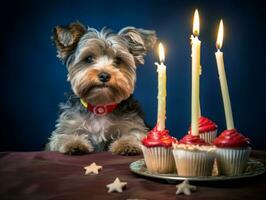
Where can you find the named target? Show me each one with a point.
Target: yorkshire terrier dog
(101, 113)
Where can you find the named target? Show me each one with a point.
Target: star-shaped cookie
(185, 188)
(116, 186)
(92, 169)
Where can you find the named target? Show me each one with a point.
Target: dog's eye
(118, 61)
(89, 59)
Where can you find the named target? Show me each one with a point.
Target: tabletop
(49, 175)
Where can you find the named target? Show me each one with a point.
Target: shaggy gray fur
(87, 53)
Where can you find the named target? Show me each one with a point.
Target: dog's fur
(87, 52)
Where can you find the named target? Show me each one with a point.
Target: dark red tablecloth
(49, 175)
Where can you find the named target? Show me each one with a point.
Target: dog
(101, 113)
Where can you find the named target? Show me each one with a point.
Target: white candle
(200, 71)
(196, 43)
(161, 69)
(222, 78)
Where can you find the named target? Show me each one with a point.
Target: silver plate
(254, 168)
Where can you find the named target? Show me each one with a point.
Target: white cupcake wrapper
(193, 163)
(208, 136)
(158, 159)
(232, 161)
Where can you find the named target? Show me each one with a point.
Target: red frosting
(231, 138)
(191, 139)
(156, 138)
(206, 125)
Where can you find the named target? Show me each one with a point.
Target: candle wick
(218, 47)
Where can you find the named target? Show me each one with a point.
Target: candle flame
(219, 41)
(196, 23)
(161, 53)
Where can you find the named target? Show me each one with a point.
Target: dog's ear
(66, 38)
(139, 41)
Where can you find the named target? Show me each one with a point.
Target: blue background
(33, 81)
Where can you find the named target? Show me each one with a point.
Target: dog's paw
(126, 147)
(77, 147)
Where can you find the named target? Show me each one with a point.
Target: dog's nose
(104, 77)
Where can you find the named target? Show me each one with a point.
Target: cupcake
(157, 151)
(232, 152)
(207, 129)
(193, 156)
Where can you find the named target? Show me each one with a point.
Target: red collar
(99, 110)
